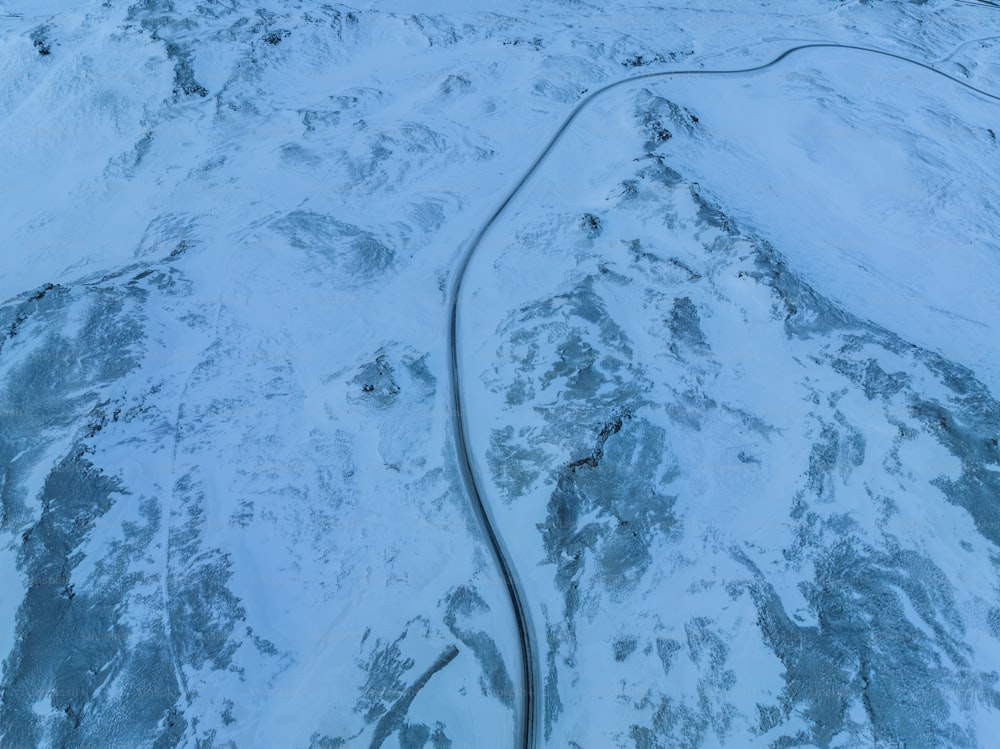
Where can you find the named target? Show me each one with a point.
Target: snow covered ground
(727, 364)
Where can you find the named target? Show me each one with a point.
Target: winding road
(531, 685)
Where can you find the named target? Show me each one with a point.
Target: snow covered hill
(727, 363)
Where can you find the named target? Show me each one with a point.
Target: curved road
(531, 685)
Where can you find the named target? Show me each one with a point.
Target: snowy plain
(727, 364)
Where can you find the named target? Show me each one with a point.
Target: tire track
(531, 684)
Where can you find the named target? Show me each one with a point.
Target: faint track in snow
(165, 512)
(531, 672)
(958, 48)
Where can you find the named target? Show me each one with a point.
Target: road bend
(531, 681)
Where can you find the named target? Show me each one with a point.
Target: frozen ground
(727, 365)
